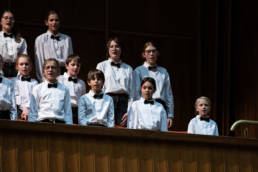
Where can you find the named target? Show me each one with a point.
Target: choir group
(118, 96)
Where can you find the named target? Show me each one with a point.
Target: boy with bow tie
(96, 108)
(50, 100)
(75, 85)
(146, 113)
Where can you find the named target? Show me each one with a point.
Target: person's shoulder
(102, 64)
(107, 97)
(34, 81)
(213, 122)
(81, 82)
(65, 36)
(127, 65)
(41, 36)
(140, 67)
(162, 69)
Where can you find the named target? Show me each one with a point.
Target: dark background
(208, 47)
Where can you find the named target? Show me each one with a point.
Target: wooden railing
(42, 147)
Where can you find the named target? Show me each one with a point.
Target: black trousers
(120, 106)
(4, 114)
(53, 121)
(75, 115)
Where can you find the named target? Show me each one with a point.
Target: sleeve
(39, 59)
(70, 46)
(99, 67)
(111, 115)
(190, 128)
(169, 97)
(131, 90)
(13, 110)
(164, 124)
(216, 132)
(83, 88)
(137, 85)
(17, 93)
(68, 116)
(34, 104)
(82, 108)
(132, 118)
(23, 49)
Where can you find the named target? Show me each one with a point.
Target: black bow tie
(75, 80)
(55, 37)
(148, 102)
(54, 85)
(98, 96)
(116, 64)
(8, 35)
(25, 78)
(205, 118)
(1, 79)
(152, 68)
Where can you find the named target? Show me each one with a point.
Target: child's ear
(143, 55)
(46, 22)
(66, 66)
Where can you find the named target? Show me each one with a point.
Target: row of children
(118, 77)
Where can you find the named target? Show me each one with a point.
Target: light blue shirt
(7, 97)
(163, 86)
(96, 111)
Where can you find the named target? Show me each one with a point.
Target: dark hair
(163, 103)
(118, 42)
(150, 80)
(51, 12)
(15, 29)
(71, 58)
(149, 44)
(95, 73)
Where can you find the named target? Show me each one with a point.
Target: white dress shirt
(23, 91)
(10, 49)
(7, 98)
(117, 80)
(46, 47)
(50, 103)
(96, 111)
(163, 86)
(76, 89)
(147, 116)
(197, 126)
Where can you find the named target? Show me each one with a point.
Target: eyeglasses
(6, 18)
(50, 67)
(150, 51)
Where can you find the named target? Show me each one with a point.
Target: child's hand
(124, 120)
(170, 122)
(25, 113)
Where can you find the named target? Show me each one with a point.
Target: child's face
(23, 66)
(7, 22)
(150, 54)
(51, 71)
(114, 51)
(73, 68)
(147, 90)
(96, 85)
(202, 107)
(53, 23)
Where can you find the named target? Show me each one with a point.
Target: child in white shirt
(23, 85)
(75, 85)
(11, 43)
(96, 108)
(52, 44)
(146, 113)
(50, 100)
(202, 124)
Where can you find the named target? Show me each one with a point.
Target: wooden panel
(49, 147)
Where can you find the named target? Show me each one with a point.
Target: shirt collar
(91, 93)
(110, 60)
(147, 65)
(49, 33)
